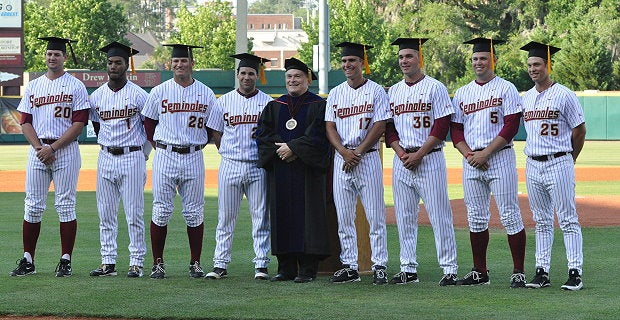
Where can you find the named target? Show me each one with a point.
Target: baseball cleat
(261, 274)
(379, 276)
(574, 281)
(517, 280)
(135, 272)
(63, 269)
(217, 273)
(104, 270)
(159, 270)
(344, 275)
(541, 279)
(404, 278)
(23, 268)
(195, 271)
(449, 279)
(474, 278)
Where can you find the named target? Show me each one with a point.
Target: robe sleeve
(312, 148)
(267, 135)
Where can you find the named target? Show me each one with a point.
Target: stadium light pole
(323, 47)
(241, 34)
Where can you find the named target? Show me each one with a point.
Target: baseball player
(556, 132)
(54, 111)
(233, 120)
(176, 114)
(421, 111)
(486, 118)
(121, 168)
(356, 113)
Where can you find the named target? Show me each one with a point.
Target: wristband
(53, 150)
(400, 156)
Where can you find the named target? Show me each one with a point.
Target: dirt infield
(594, 210)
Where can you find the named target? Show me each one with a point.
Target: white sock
(66, 256)
(28, 257)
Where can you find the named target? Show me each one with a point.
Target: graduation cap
(56, 43)
(356, 49)
(251, 61)
(117, 49)
(411, 43)
(293, 63)
(182, 50)
(541, 50)
(485, 45)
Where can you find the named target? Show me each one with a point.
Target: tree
(297, 7)
(211, 26)
(89, 25)
(151, 15)
(586, 64)
(354, 22)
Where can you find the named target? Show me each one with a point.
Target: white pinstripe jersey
(355, 111)
(52, 102)
(236, 116)
(182, 112)
(549, 118)
(415, 108)
(118, 113)
(482, 108)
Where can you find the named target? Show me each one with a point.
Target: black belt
(117, 151)
(48, 141)
(181, 150)
(368, 151)
(504, 148)
(549, 157)
(414, 150)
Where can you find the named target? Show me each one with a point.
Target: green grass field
(241, 297)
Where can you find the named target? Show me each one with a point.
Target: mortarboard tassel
(263, 79)
(72, 54)
(421, 55)
(366, 66)
(131, 62)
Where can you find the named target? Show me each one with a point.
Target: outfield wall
(601, 108)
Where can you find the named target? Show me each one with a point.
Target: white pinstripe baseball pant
(365, 181)
(173, 171)
(121, 176)
(236, 178)
(501, 179)
(64, 172)
(429, 183)
(551, 187)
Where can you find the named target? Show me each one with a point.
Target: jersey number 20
(62, 112)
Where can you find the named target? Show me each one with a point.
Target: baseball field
(240, 297)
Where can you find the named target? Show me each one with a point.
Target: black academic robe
(296, 191)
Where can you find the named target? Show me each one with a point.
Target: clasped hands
(351, 159)
(477, 159)
(285, 153)
(45, 154)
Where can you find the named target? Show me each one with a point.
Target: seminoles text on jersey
(353, 110)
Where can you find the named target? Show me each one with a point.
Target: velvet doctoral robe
(296, 191)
